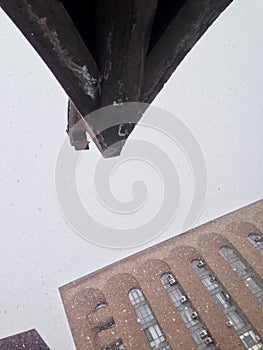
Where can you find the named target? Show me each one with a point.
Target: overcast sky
(217, 93)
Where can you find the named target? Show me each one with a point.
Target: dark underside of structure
(108, 52)
(29, 340)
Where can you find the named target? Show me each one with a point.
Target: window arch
(148, 321)
(241, 268)
(227, 306)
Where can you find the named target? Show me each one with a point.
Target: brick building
(199, 290)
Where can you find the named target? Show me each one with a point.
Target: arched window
(241, 268)
(227, 306)
(257, 241)
(188, 313)
(148, 321)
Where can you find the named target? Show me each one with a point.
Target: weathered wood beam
(185, 30)
(50, 30)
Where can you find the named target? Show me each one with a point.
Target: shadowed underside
(29, 340)
(108, 52)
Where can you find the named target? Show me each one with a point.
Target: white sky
(217, 92)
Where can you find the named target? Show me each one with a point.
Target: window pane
(145, 316)
(236, 320)
(187, 312)
(241, 268)
(251, 340)
(224, 302)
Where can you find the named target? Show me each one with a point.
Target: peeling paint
(86, 80)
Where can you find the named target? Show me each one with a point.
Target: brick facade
(101, 314)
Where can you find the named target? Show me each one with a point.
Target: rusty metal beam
(128, 31)
(50, 30)
(118, 51)
(191, 22)
(128, 36)
(124, 39)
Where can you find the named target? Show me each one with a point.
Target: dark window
(114, 346)
(108, 324)
(100, 305)
(257, 241)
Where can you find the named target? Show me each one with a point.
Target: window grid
(187, 312)
(241, 268)
(257, 241)
(144, 313)
(136, 296)
(149, 323)
(223, 300)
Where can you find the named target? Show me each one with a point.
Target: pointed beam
(186, 29)
(49, 29)
(128, 30)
